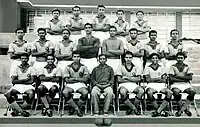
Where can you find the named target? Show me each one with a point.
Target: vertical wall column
(179, 22)
(128, 17)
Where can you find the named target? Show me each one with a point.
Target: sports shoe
(44, 111)
(155, 114)
(25, 114)
(49, 112)
(71, 111)
(178, 114)
(188, 113)
(79, 113)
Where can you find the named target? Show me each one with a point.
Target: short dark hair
(67, 30)
(154, 54)
(50, 55)
(101, 6)
(76, 7)
(19, 29)
(25, 54)
(56, 9)
(76, 52)
(102, 55)
(88, 24)
(113, 27)
(41, 29)
(152, 31)
(133, 29)
(173, 31)
(139, 12)
(181, 54)
(128, 53)
(120, 11)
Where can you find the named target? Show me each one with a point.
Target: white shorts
(182, 86)
(22, 87)
(91, 63)
(115, 64)
(157, 86)
(169, 63)
(54, 38)
(39, 65)
(138, 62)
(76, 86)
(129, 86)
(63, 64)
(101, 35)
(48, 85)
(75, 38)
(14, 65)
(123, 39)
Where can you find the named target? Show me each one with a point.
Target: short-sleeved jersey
(66, 48)
(17, 47)
(55, 72)
(42, 46)
(172, 50)
(139, 26)
(180, 70)
(154, 73)
(121, 27)
(23, 73)
(55, 26)
(100, 22)
(134, 48)
(124, 71)
(70, 71)
(157, 49)
(75, 22)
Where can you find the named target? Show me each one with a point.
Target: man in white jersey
(76, 24)
(64, 50)
(50, 80)
(23, 77)
(101, 24)
(54, 27)
(17, 48)
(128, 78)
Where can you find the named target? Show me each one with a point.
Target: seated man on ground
(23, 78)
(75, 77)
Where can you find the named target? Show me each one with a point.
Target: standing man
(122, 26)
(101, 24)
(54, 27)
(75, 77)
(23, 77)
(40, 48)
(102, 79)
(180, 76)
(88, 47)
(76, 24)
(51, 79)
(142, 26)
(128, 79)
(18, 47)
(64, 50)
(137, 49)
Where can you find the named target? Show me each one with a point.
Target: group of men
(66, 58)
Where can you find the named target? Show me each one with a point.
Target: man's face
(65, 34)
(174, 35)
(128, 58)
(112, 32)
(76, 58)
(154, 59)
(102, 60)
(88, 29)
(153, 36)
(120, 15)
(101, 11)
(133, 34)
(50, 60)
(24, 60)
(56, 14)
(76, 12)
(140, 16)
(180, 58)
(41, 34)
(20, 34)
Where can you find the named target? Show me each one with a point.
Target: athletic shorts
(21, 88)
(115, 64)
(91, 63)
(76, 86)
(129, 86)
(157, 86)
(48, 85)
(182, 86)
(54, 38)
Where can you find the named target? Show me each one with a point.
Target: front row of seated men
(76, 77)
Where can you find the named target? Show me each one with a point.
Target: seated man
(156, 78)
(102, 79)
(128, 77)
(50, 77)
(76, 77)
(180, 76)
(22, 78)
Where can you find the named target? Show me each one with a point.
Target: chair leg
(91, 108)
(118, 105)
(114, 111)
(7, 108)
(171, 108)
(63, 107)
(195, 107)
(86, 106)
(37, 101)
(141, 109)
(59, 104)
